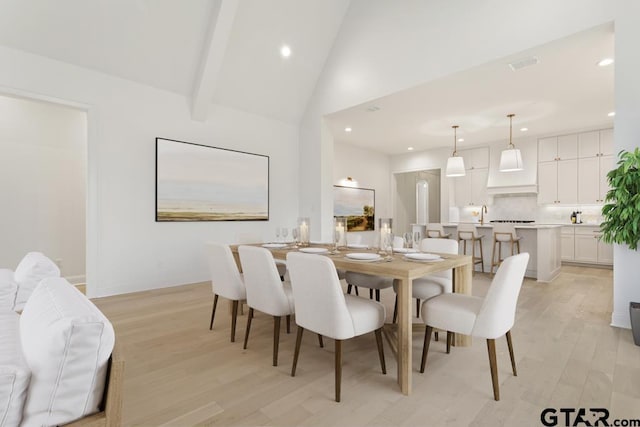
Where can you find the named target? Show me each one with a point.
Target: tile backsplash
(525, 207)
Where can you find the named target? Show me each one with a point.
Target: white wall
(42, 182)
(626, 286)
(127, 250)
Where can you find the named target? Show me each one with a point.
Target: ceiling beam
(212, 57)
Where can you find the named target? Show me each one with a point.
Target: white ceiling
(161, 43)
(565, 91)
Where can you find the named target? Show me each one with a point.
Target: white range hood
(512, 189)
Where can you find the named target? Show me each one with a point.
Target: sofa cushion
(32, 269)
(66, 342)
(8, 289)
(14, 372)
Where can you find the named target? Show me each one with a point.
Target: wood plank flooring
(178, 373)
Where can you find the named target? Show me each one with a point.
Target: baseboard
(75, 280)
(621, 320)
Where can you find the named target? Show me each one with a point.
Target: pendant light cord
(455, 140)
(511, 131)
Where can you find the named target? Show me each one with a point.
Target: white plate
(422, 257)
(314, 250)
(274, 245)
(357, 246)
(404, 250)
(363, 256)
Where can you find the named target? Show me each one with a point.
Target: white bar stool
(469, 233)
(504, 233)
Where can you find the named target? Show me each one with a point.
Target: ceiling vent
(523, 63)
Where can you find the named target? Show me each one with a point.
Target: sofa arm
(110, 414)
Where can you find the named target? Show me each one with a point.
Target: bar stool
(436, 231)
(504, 233)
(469, 232)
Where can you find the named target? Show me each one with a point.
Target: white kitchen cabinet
(567, 244)
(596, 143)
(475, 158)
(589, 248)
(558, 182)
(563, 147)
(471, 189)
(592, 179)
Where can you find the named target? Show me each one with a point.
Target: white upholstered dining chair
(226, 281)
(321, 307)
(489, 317)
(265, 291)
(434, 284)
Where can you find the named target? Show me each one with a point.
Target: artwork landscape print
(357, 204)
(202, 183)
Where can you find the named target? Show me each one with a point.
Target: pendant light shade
(511, 159)
(455, 163)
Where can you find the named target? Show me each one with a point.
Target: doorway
(417, 199)
(43, 177)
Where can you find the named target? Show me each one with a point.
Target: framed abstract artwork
(357, 204)
(202, 183)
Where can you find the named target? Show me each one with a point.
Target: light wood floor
(179, 373)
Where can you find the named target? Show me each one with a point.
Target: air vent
(523, 63)
(373, 108)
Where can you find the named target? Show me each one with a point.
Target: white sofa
(54, 357)
(16, 287)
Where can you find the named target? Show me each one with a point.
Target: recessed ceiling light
(460, 139)
(285, 51)
(373, 108)
(611, 114)
(347, 129)
(524, 129)
(604, 62)
(410, 148)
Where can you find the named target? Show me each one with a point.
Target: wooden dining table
(403, 271)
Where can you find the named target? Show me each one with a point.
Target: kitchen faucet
(483, 210)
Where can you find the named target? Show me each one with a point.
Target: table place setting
(423, 257)
(275, 245)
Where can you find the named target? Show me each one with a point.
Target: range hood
(512, 189)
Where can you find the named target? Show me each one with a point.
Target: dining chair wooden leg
(276, 338)
(246, 334)
(491, 347)
(296, 352)
(213, 312)
(288, 323)
(418, 307)
(378, 295)
(381, 350)
(349, 288)
(449, 341)
(320, 341)
(234, 318)
(338, 358)
(425, 347)
(513, 359)
(370, 293)
(395, 310)
(436, 336)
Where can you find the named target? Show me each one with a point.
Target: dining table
(403, 270)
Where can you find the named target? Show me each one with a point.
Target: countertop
(524, 226)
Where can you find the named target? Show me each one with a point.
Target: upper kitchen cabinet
(475, 158)
(471, 189)
(596, 143)
(558, 182)
(555, 148)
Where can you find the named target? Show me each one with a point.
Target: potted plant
(622, 214)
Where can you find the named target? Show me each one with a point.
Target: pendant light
(455, 163)
(511, 159)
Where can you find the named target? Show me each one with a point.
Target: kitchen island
(541, 241)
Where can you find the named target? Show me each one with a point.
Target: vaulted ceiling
(166, 43)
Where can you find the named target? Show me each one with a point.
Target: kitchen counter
(541, 241)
